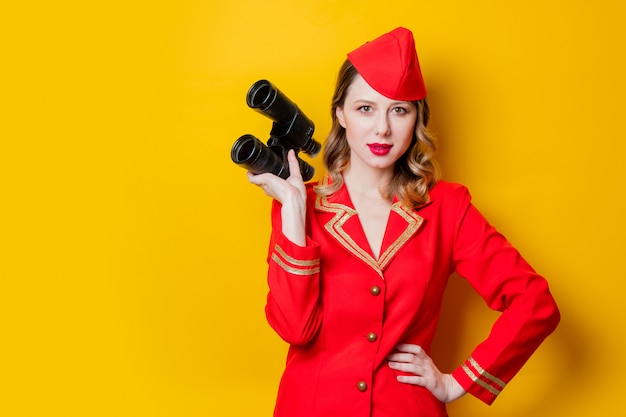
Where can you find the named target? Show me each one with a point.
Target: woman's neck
(367, 182)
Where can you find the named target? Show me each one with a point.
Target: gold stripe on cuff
(486, 374)
(294, 270)
(294, 261)
(480, 382)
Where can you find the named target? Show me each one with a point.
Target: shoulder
(448, 204)
(449, 192)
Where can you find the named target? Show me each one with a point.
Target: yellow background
(132, 266)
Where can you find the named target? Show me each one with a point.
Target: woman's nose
(382, 125)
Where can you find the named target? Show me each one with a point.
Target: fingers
(294, 166)
(413, 349)
(412, 359)
(269, 183)
(421, 381)
(259, 179)
(410, 368)
(410, 363)
(407, 353)
(278, 188)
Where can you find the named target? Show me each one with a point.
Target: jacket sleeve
(508, 284)
(293, 306)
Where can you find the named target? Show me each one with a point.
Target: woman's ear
(339, 113)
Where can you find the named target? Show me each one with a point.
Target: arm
(293, 309)
(508, 284)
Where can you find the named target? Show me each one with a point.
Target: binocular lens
(252, 154)
(261, 95)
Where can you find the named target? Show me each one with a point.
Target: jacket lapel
(344, 226)
(403, 223)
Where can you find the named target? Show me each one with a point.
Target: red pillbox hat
(390, 66)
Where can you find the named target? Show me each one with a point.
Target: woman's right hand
(291, 193)
(422, 371)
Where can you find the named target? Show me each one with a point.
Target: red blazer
(343, 312)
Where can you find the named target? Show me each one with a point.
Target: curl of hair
(415, 173)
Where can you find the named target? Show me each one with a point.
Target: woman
(358, 263)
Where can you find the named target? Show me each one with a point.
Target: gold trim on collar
(342, 213)
(414, 221)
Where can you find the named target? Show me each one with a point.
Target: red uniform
(342, 311)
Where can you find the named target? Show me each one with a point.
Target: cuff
(478, 382)
(295, 259)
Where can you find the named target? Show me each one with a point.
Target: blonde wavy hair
(416, 172)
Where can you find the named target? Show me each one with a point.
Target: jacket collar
(343, 224)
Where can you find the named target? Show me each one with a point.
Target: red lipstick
(379, 149)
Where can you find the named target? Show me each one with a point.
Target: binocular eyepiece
(291, 130)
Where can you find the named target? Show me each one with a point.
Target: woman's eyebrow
(363, 100)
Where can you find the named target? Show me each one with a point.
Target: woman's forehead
(360, 90)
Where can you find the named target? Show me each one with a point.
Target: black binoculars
(291, 129)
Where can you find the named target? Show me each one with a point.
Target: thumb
(294, 165)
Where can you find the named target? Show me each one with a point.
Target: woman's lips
(379, 149)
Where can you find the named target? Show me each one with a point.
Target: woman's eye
(400, 110)
(365, 109)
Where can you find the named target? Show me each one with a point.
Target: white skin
(379, 131)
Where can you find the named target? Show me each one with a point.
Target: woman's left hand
(291, 193)
(413, 360)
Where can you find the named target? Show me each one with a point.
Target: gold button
(372, 337)
(375, 290)
(361, 386)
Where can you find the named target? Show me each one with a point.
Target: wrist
(453, 388)
(293, 222)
